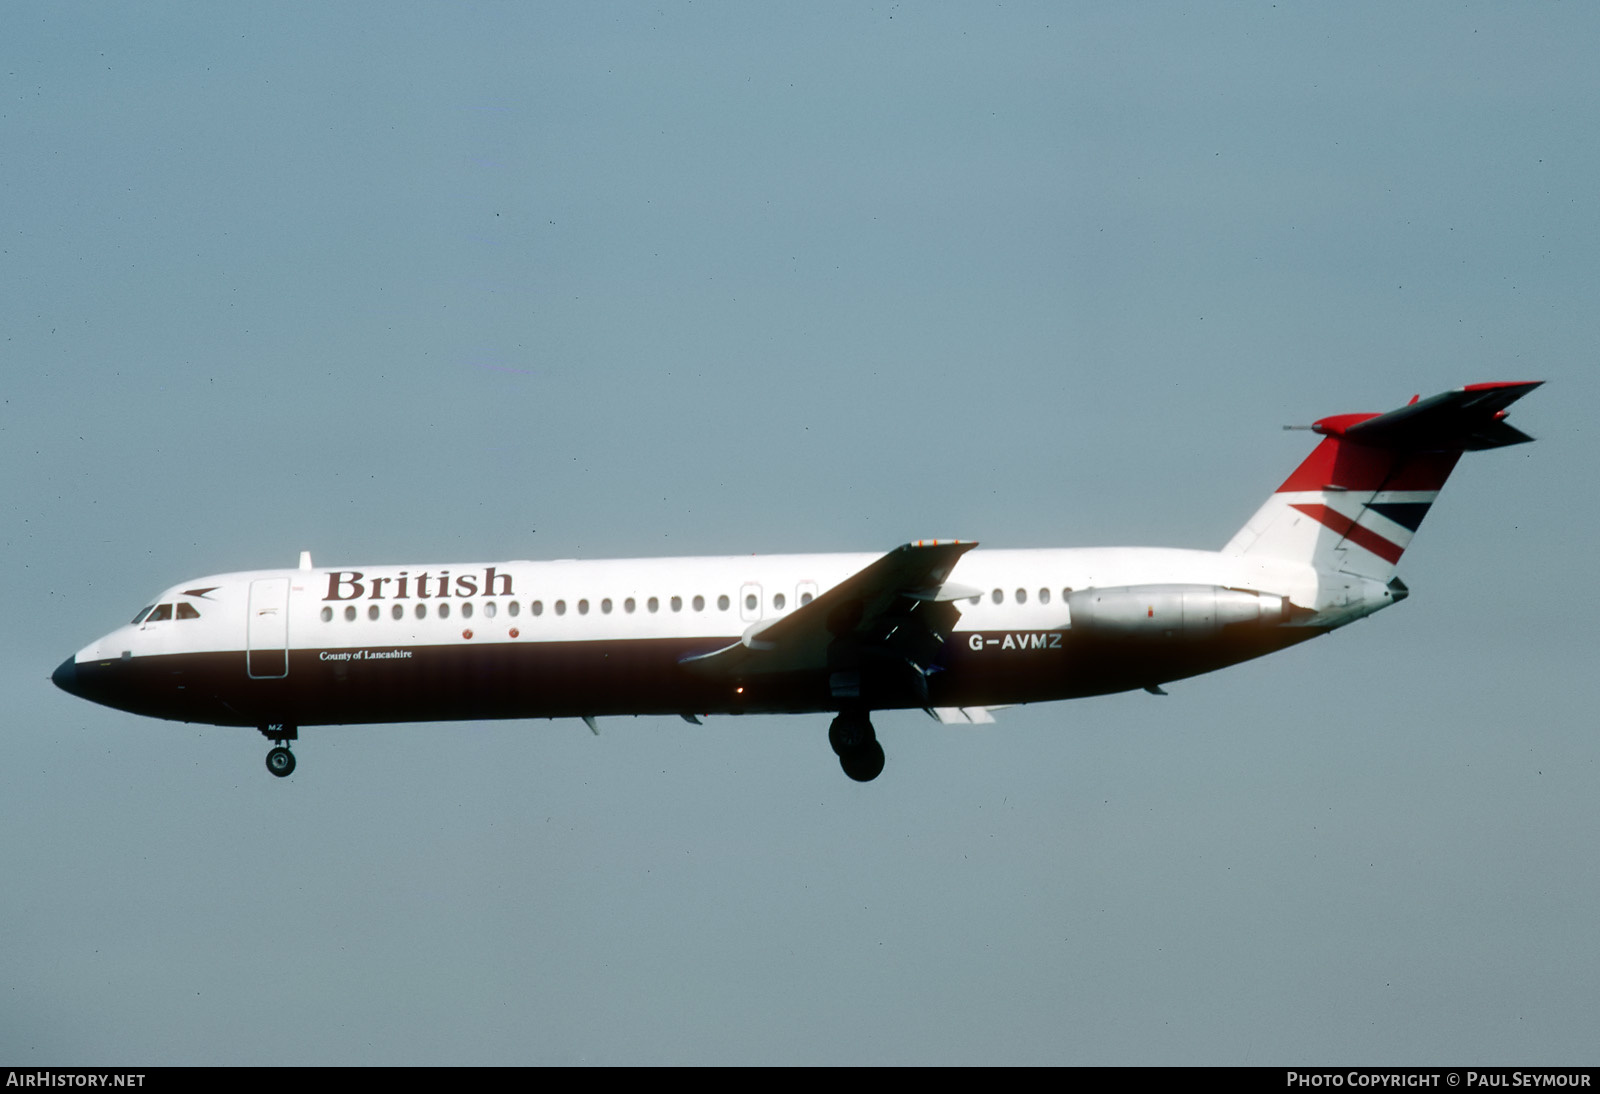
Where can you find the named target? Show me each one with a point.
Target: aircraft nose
(66, 676)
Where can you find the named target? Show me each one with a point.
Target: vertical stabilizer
(1354, 504)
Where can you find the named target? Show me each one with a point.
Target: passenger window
(653, 604)
(1044, 596)
(1022, 596)
(750, 602)
(537, 607)
(422, 611)
(628, 605)
(805, 598)
(397, 612)
(350, 614)
(372, 612)
(677, 603)
(489, 609)
(327, 614)
(605, 606)
(722, 602)
(583, 607)
(777, 603)
(998, 596)
(561, 607)
(513, 608)
(466, 610)
(142, 613)
(699, 603)
(444, 611)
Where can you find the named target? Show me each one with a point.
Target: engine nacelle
(1179, 612)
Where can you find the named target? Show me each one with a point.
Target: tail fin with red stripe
(1354, 504)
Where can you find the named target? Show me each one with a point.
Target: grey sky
(394, 283)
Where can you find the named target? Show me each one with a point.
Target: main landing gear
(856, 745)
(280, 761)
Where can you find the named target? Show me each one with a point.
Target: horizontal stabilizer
(1468, 419)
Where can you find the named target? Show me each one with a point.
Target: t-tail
(1354, 504)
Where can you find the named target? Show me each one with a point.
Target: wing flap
(962, 716)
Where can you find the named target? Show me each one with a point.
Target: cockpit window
(186, 611)
(162, 612)
(142, 613)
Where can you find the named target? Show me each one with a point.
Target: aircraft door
(267, 629)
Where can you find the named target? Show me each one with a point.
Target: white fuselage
(697, 598)
(565, 638)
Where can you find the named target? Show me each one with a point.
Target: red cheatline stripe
(1349, 529)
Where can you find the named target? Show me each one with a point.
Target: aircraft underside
(597, 679)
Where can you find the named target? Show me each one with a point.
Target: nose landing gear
(856, 744)
(280, 761)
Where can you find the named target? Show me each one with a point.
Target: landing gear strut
(280, 761)
(856, 745)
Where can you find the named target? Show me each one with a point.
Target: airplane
(933, 624)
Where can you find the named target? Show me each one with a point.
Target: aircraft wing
(887, 621)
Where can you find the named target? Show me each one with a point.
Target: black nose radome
(66, 676)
